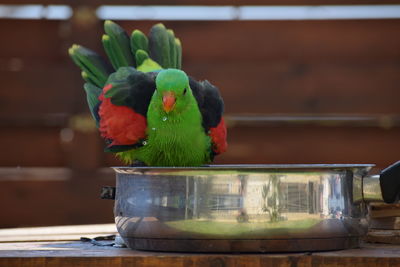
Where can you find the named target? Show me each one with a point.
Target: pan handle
(390, 183)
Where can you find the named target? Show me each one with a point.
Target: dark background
(322, 91)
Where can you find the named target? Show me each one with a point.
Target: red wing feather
(218, 137)
(120, 123)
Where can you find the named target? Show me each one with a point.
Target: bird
(147, 109)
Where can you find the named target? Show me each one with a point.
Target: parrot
(147, 109)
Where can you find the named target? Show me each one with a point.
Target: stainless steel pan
(248, 208)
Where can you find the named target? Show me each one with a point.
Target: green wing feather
(92, 96)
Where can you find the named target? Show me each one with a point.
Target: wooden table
(58, 246)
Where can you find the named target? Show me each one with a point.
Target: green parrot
(147, 109)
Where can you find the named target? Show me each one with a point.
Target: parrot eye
(184, 91)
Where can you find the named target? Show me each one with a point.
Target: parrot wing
(211, 107)
(122, 108)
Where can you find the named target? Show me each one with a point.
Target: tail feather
(139, 41)
(159, 45)
(117, 45)
(165, 49)
(172, 49)
(96, 69)
(178, 47)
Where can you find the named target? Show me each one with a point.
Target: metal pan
(248, 208)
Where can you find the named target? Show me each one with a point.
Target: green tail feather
(178, 47)
(139, 41)
(172, 49)
(159, 45)
(117, 45)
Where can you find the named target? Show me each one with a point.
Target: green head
(173, 90)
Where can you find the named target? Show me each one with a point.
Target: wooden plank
(247, 144)
(266, 88)
(248, 42)
(328, 120)
(359, 41)
(65, 254)
(311, 144)
(56, 202)
(386, 223)
(34, 174)
(33, 146)
(41, 91)
(383, 210)
(81, 254)
(44, 39)
(56, 233)
(34, 120)
(383, 236)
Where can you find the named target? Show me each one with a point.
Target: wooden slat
(56, 233)
(33, 146)
(56, 202)
(384, 236)
(254, 143)
(34, 174)
(41, 91)
(247, 42)
(383, 121)
(383, 210)
(311, 144)
(33, 120)
(269, 88)
(360, 41)
(81, 254)
(33, 38)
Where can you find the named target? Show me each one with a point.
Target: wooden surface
(56, 233)
(76, 253)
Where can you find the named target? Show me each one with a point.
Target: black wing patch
(131, 88)
(210, 102)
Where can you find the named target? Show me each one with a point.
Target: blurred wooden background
(306, 91)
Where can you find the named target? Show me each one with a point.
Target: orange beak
(168, 101)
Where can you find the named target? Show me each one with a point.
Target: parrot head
(173, 90)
